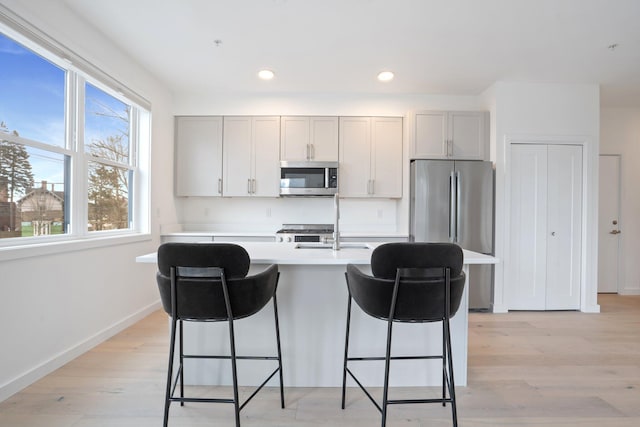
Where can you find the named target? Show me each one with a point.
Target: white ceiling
(457, 47)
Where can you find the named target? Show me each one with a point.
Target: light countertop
(288, 254)
(273, 233)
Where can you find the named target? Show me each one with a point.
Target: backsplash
(268, 214)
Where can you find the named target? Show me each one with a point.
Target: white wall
(55, 307)
(268, 214)
(620, 134)
(548, 113)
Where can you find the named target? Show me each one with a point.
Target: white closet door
(564, 227)
(527, 263)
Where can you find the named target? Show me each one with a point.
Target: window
(69, 149)
(106, 134)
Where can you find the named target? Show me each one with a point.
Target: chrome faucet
(336, 225)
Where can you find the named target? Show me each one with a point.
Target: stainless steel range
(321, 233)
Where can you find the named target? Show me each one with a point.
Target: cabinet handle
(450, 148)
(373, 187)
(219, 185)
(253, 186)
(312, 151)
(308, 152)
(249, 186)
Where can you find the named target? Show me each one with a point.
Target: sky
(32, 102)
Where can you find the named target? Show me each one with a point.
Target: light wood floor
(525, 369)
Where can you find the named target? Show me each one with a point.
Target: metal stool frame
(208, 274)
(446, 356)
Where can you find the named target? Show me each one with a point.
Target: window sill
(8, 253)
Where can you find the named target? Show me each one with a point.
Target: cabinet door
(237, 156)
(355, 157)
(467, 135)
(526, 267)
(564, 238)
(309, 138)
(430, 139)
(265, 159)
(198, 156)
(323, 139)
(294, 141)
(386, 157)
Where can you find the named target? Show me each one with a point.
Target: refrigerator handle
(458, 213)
(452, 207)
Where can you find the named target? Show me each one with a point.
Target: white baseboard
(12, 387)
(633, 291)
(498, 308)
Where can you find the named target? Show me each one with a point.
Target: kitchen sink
(329, 246)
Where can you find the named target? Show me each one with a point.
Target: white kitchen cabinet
(543, 270)
(198, 150)
(250, 156)
(460, 135)
(370, 157)
(309, 138)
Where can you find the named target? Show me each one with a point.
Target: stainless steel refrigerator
(452, 201)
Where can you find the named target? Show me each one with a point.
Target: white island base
(312, 307)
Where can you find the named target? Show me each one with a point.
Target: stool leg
(275, 311)
(346, 353)
(172, 344)
(452, 386)
(234, 372)
(387, 366)
(444, 364)
(181, 363)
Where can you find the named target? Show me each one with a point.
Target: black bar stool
(411, 282)
(208, 282)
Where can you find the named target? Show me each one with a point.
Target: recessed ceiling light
(385, 76)
(266, 74)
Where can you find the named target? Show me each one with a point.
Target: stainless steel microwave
(308, 178)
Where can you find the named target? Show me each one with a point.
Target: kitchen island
(312, 306)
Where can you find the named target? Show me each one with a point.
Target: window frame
(78, 73)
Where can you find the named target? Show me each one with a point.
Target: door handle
(615, 232)
(452, 207)
(458, 204)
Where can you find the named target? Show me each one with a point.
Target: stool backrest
(199, 291)
(386, 259)
(420, 270)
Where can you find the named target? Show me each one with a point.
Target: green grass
(27, 229)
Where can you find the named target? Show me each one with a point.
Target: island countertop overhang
(288, 254)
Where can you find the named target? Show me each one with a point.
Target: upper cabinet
(309, 138)
(451, 135)
(198, 151)
(250, 156)
(370, 157)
